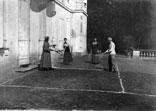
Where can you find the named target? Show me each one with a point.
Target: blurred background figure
(94, 57)
(67, 57)
(45, 62)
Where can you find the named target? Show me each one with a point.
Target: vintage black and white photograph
(78, 55)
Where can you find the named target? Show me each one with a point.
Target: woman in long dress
(45, 62)
(67, 58)
(94, 58)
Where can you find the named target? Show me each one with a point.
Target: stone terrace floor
(82, 85)
(124, 63)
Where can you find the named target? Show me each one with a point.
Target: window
(85, 4)
(81, 17)
(81, 28)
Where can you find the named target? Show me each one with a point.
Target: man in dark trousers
(111, 55)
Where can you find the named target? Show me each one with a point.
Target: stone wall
(25, 23)
(8, 37)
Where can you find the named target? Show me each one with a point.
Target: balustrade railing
(144, 53)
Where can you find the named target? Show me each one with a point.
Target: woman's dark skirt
(67, 57)
(95, 59)
(45, 62)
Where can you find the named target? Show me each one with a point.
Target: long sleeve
(111, 49)
(108, 50)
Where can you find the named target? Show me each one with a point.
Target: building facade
(25, 23)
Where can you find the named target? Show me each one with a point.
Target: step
(26, 69)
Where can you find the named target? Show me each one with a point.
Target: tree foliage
(128, 22)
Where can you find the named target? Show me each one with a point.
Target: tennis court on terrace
(84, 86)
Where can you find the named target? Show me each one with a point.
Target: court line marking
(121, 83)
(64, 89)
(18, 77)
(148, 95)
(79, 69)
(47, 88)
(80, 90)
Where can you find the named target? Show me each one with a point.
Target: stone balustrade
(144, 53)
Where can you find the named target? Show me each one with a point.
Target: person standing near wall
(111, 55)
(67, 57)
(94, 57)
(45, 62)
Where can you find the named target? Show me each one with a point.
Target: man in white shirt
(111, 58)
